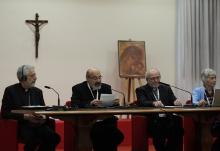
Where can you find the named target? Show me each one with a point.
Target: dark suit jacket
(15, 96)
(145, 95)
(81, 95)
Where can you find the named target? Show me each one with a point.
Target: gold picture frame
(132, 59)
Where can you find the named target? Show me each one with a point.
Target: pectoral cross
(37, 24)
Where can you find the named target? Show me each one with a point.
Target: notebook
(216, 100)
(107, 100)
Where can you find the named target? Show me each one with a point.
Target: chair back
(68, 103)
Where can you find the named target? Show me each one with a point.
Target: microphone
(55, 92)
(178, 89)
(124, 102)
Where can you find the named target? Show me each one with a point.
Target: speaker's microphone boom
(58, 102)
(124, 102)
(178, 89)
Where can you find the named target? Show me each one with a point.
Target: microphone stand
(178, 89)
(58, 101)
(56, 107)
(184, 91)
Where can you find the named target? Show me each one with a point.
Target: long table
(82, 117)
(135, 110)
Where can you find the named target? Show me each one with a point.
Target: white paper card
(107, 99)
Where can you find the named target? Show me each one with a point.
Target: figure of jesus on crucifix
(37, 24)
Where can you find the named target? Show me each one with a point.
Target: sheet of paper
(107, 99)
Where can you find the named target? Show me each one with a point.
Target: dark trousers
(105, 135)
(215, 131)
(167, 133)
(38, 137)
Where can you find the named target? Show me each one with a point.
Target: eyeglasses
(96, 78)
(154, 78)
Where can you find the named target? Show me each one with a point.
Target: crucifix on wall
(37, 24)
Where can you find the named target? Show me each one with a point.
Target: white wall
(81, 34)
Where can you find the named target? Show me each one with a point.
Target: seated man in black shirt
(33, 129)
(166, 129)
(105, 135)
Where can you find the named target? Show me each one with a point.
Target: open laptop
(216, 100)
(107, 100)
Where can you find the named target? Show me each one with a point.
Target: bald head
(153, 77)
(92, 72)
(152, 72)
(93, 77)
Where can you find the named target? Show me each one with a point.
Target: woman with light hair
(204, 95)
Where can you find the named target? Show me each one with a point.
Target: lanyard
(97, 92)
(156, 96)
(208, 100)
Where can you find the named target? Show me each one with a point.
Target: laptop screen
(216, 100)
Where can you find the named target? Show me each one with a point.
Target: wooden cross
(37, 23)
